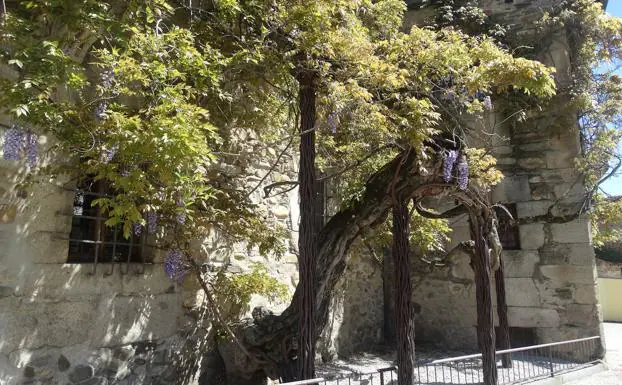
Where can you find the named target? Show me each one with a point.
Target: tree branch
(453, 212)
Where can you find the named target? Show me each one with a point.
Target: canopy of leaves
(174, 104)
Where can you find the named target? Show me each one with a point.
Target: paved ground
(613, 341)
(362, 369)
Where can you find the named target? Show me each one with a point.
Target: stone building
(120, 319)
(549, 267)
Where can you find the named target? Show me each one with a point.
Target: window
(508, 228)
(519, 337)
(90, 240)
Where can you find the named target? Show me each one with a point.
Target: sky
(613, 186)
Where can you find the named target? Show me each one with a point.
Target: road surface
(613, 342)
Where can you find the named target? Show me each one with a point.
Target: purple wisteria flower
(99, 112)
(174, 265)
(137, 228)
(487, 103)
(31, 149)
(331, 120)
(181, 216)
(448, 164)
(152, 222)
(109, 153)
(13, 143)
(463, 172)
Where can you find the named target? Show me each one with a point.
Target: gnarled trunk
(479, 224)
(270, 338)
(502, 313)
(307, 246)
(404, 314)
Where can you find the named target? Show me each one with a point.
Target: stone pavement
(613, 342)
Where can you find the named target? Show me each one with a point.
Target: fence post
(551, 361)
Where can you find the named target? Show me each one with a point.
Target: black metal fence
(527, 364)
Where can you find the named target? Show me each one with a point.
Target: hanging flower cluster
(332, 122)
(31, 149)
(109, 153)
(106, 79)
(174, 265)
(17, 142)
(463, 172)
(459, 163)
(137, 229)
(13, 143)
(487, 103)
(181, 216)
(152, 222)
(448, 164)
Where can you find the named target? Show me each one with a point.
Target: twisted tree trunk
(404, 314)
(270, 338)
(502, 313)
(479, 223)
(307, 246)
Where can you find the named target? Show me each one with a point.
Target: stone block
(126, 319)
(37, 324)
(81, 373)
(63, 363)
(580, 254)
(565, 175)
(281, 212)
(581, 315)
(537, 146)
(577, 231)
(506, 161)
(528, 317)
(532, 163)
(522, 292)
(532, 208)
(6, 291)
(585, 294)
(570, 192)
(502, 150)
(29, 371)
(559, 159)
(512, 189)
(519, 263)
(572, 274)
(531, 236)
(461, 269)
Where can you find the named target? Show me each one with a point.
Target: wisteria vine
(453, 162)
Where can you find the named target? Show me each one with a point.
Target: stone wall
(356, 319)
(551, 280)
(70, 324)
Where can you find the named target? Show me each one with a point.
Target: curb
(574, 375)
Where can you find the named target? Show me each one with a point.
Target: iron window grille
(91, 241)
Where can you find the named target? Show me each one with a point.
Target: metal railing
(527, 364)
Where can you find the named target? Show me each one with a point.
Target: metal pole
(551, 361)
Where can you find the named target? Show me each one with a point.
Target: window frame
(91, 225)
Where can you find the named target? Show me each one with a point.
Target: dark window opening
(520, 337)
(90, 240)
(508, 227)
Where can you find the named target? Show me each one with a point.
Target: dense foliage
(174, 103)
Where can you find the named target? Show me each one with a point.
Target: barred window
(508, 228)
(90, 240)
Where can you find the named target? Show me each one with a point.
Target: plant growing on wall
(155, 97)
